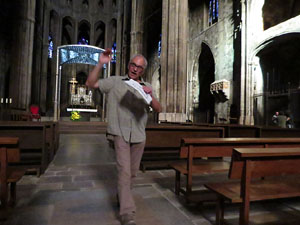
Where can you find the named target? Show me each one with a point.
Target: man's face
(136, 68)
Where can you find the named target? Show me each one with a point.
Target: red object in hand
(107, 52)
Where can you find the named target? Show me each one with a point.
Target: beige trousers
(128, 158)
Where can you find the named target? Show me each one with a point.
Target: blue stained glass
(217, 8)
(114, 53)
(83, 41)
(210, 13)
(159, 47)
(50, 47)
(214, 10)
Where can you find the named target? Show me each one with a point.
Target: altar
(78, 96)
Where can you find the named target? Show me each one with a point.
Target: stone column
(174, 60)
(246, 101)
(44, 63)
(125, 51)
(38, 53)
(21, 70)
(119, 37)
(137, 17)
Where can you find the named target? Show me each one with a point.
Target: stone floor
(78, 188)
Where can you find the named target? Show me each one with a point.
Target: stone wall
(219, 38)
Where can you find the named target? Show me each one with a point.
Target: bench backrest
(169, 136)
(222, 147)
(9, 149)
(262, 162)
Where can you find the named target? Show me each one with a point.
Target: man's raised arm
(92, 80)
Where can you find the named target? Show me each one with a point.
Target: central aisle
(79, 188)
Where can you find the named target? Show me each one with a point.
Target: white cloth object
(139, 88)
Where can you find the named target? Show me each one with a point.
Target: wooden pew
(9, 153)
(250, 165)
(236, 130)
(163, 142)
(193, 148)
(36, 142)
(279, 132)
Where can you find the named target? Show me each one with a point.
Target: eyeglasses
(138, 68)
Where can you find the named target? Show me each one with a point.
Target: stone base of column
(172, 117)
(246, 120)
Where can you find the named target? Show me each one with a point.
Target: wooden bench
(250, 166)
(9, 153)
(163, 143)
(36, 142)
(193, 148)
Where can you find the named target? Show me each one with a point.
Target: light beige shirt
(127, 111)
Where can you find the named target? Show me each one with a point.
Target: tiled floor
(78, 188)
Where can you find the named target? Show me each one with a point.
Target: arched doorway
(279, 62)
(205, 107)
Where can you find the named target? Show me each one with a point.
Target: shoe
(127, 219)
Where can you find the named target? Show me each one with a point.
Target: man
(275, 118)
(127, 117)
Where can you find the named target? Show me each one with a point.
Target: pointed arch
(84, 30)
(67, 30)
(100, 34)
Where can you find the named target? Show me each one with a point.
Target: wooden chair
(35, 113)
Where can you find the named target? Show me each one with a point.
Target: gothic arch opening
(67, 31)
(278, 11)
(279, 62)
(101, 4)
(152, 40)
(99, 34)
(206, 105)
(84, 29)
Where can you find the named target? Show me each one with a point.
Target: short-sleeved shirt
(127, 111)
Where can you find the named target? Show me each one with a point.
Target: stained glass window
(213, 10)
(114, 53)
(159, 47)
(83, 41)
(50, 47)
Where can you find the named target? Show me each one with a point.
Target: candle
(10, 100)
(6, 100)
(1, 100)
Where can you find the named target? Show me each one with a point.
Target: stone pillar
(44, 63)
(125, 51)
(137, 17)
(56, 31)
(21, 70)
(174, 60)
(119, 37)
(246, 101)
(38, 53)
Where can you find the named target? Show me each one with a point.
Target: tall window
(114, 53)
(213, 11)
(50, 47)
(159, 47)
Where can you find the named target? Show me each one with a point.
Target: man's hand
(92, 80)
(148, 90)
(105, 56)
